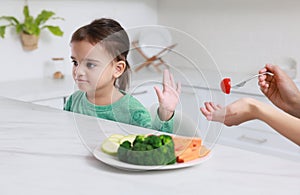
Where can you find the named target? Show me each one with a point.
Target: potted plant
(31, 27)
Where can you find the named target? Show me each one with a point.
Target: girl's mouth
(81, 81)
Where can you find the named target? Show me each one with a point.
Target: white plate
(115, 162)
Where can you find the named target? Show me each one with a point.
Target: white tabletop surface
(42, 152)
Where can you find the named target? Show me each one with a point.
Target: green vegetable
(110, 146)
(148, 150)
(139, 139)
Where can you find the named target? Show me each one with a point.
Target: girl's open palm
(169, 96)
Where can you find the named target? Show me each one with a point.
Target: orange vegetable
(203, 151)
(188, 148)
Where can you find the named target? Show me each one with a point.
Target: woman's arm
(246, 109)
(286, 124)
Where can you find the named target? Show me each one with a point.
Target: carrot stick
(188, 157)
(189, 148)
(203, 151)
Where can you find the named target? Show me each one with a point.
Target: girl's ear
(119, 68)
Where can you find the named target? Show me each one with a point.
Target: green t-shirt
(126, 110)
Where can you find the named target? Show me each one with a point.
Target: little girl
(101, 71)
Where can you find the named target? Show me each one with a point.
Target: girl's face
(93, 67)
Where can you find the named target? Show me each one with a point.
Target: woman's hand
(169, 97)
(235, 113)
(280, 89)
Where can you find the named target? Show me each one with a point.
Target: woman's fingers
(210, 106)
(206, 113)
(219, 106)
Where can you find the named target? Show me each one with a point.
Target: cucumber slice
(118, 136)
(112, 143)
(110, 147)
(129, 138)
(114, 139)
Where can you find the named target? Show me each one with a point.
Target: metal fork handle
(242, 83)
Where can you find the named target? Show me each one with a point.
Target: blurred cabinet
(145, 94)
(58, 102)
(258, 136)
(43, 91)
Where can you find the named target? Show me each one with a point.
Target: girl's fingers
(169, 82)
(166, 78)
(172, 81)
(178, 90)
(158, 93)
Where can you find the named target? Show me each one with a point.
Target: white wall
(242, 35)
(19, 64)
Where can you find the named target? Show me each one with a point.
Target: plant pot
(29, 42)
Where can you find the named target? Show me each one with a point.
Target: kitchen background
(241, 35)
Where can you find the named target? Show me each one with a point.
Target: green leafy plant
(31, 25)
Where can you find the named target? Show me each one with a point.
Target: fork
(242, 83)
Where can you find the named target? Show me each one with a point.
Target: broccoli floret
(126, 144)
(123, 151)
(149, 147)
(165, 139)
(139, 139)
(154, 141)
(150, 150)
(139, 147)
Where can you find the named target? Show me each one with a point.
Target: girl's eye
(90, 65)
(75, 63)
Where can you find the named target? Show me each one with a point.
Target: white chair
(183, 125)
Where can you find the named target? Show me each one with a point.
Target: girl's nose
(79, 70)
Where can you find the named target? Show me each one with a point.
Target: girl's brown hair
(113, 38)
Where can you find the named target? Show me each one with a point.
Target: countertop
(42, 152)
(36, 89)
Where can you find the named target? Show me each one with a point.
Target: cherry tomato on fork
(226, 85)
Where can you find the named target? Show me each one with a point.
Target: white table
(41, 152)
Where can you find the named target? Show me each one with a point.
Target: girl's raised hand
(169, 97)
